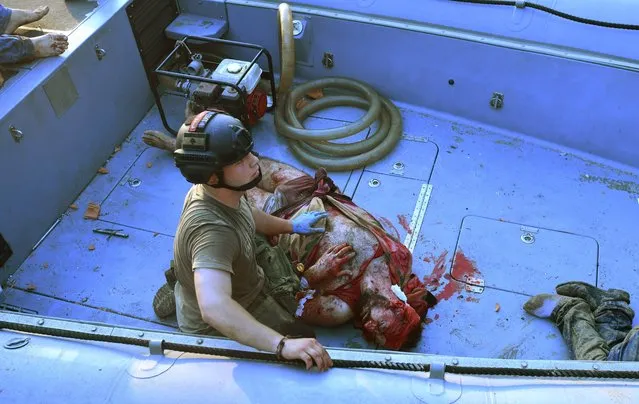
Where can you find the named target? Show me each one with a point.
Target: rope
(554, 12)
(337, 363)
(575, 373)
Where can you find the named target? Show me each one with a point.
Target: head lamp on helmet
(210, 142)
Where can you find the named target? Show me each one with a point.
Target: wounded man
(355, 270)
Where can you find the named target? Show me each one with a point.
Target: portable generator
(211, 82)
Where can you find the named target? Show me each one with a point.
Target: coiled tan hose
(312, 146)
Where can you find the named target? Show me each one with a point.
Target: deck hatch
(522, 258)
(150, 196)
(410, 159)
(390, 199)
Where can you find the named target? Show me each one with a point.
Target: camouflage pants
(605, 334)
(275, 306)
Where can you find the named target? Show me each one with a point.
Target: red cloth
(299, 191)
(351, 292)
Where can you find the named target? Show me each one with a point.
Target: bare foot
(49, 45)
(21, 17)
(158, 139)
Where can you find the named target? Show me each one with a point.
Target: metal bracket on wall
(328, 60)
(497, 100)
(16, 134)
(303, 38)
(436, 387)
(99, 52)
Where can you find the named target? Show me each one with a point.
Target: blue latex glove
(302, 224)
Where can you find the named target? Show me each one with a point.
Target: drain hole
(134, 182)
(528, 238)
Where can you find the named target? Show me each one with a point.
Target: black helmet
(210, 142)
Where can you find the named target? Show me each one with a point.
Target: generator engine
(197, 70)
(249, 104)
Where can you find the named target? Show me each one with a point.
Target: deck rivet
(398, 166)
(134, 182)
(200, 341)
(374, 183)
(528, 238)
(94, 329)
(524, 365)
(40, 322)
(141, 334)
(389, 358)
(455, 361)
(596, 367)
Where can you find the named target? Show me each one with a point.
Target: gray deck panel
(474, 172)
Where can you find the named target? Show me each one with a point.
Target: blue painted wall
(62, 151)
(575, 104)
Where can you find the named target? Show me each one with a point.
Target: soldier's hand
(308, 350)
(303, 224)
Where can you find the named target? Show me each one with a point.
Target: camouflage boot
(611, 310)
(591, 294)
(164, 300)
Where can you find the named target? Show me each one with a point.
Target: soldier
(219, 287)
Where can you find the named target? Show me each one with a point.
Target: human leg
(627, 349)
(11, 19)
(5, 17)
(611, 310)
(17, 49)
(14, 49)
(575, 321)
(155, 138)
